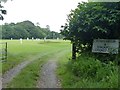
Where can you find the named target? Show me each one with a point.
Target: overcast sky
(46, 12)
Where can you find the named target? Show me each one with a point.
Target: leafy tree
(25, 29)
(7, 31)
(90, 21)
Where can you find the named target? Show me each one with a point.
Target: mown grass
(86, 72)
(18, 52)
(29, 75)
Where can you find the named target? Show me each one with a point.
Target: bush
(85, 67)
(95, 72)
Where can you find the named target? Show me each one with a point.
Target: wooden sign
(105, 46)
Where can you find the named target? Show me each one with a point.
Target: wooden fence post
(73, 51)
(6, 51)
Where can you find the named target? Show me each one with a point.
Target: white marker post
(57, 38)
(27, 38)
(11, 39)
(21, 40)
(32, 38)
(44, 39)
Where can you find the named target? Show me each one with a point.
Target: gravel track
(9, 75)
(48, 78)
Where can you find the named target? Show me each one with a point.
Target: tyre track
(12, 73)
(48, 78)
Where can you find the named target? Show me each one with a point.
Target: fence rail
(3, 51)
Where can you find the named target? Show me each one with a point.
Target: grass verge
(86, 72)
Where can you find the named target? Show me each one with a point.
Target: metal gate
(3, 51)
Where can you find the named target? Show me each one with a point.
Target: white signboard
(105, 46)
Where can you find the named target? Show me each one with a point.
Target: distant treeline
(27, 29)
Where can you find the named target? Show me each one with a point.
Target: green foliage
(92, 20)
(26, 29)
(86, 72)
(96, 71)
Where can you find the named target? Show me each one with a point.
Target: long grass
(86, 72)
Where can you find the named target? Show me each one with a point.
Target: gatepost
(74, 51)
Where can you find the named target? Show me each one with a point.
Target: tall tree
(90, 21)
(25, 29)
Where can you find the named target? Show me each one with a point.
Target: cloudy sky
(46, 12)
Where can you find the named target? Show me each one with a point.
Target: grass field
(18, 52)
(41, 51)
(71, 74)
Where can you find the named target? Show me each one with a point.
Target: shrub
(86, 66)
(95, 71)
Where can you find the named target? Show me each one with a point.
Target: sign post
(105, 46)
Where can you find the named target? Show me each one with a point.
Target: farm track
(48, 78)
(9, 75)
